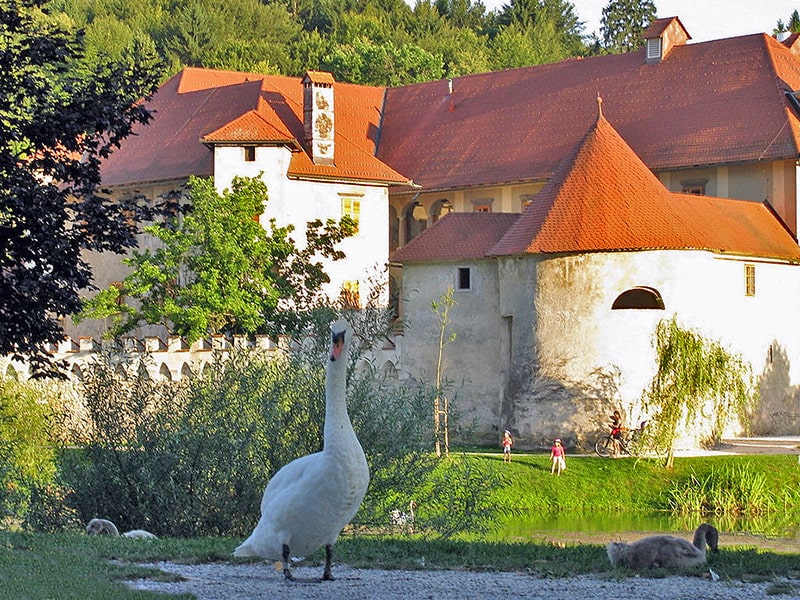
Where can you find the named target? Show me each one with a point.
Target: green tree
(516, 47)
(60, 114)
(623, 23)
(217, 270)
(792, 26)
(27, 455)
(692, 372)
(552, 25)
(369, 63)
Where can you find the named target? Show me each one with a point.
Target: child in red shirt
(557, 455)
(507, 443)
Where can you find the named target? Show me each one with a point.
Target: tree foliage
(623, 23)
(61, 112)
(693, 372)
(27, 458)
(792, 26)
(218, 270)
(380, 42)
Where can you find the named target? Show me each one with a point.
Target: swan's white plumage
(309, 501)
(664, 550)
(106, 527)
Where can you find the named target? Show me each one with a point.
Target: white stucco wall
(573, 358)
(472, 363)
(297, 202)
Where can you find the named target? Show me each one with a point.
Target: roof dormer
(662, 36)
(790, 40)
(318, 116)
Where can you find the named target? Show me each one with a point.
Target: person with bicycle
(616, 431)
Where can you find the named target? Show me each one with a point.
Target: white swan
(309, 501)
(664, 550)
(106, 527)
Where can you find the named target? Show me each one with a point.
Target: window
(249, 153)
(482, 205)
(416, 220)
(526, 200)
(350, 296)
(351, 207)
(749, 279)
(464, 279)
(641, 297)
(653, 48)
(694, 186)
(440, 208)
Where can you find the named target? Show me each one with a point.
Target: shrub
(27, 456)
(193, 458)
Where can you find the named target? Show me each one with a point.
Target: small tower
(318, 116)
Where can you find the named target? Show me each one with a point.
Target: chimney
(318, 116)
(451, 102)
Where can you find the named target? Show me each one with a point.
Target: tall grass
(737, 490)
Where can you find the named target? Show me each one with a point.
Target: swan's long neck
(703, 535)
(338, 429)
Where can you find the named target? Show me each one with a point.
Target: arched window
(389, 370)
(639, 297)
(11, 373)
(165, 372)
(186, 371)
(394, 229)
(440, 208)
(416, 220)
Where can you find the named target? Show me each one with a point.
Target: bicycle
(604, 446)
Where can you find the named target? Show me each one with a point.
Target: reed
(737, 489)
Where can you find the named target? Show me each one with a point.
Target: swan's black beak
(337, 343)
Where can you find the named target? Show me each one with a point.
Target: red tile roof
(203, 105)
(658, 26)
(717, 102)
(604, 198)
(457, 236)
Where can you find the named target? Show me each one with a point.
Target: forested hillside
(374, 42)
(380, 42)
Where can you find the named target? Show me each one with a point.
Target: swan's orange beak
(337, 343)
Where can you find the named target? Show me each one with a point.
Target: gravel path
(225, 581)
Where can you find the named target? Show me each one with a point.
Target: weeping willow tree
(693, 372)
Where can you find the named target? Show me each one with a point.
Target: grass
(80, 567)
(591, 484)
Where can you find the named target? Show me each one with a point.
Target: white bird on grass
(664, 550)
(309, 501)
(106, 527)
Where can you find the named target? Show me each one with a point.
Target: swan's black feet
(327, 575)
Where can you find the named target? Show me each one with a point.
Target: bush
(27, 456)
(193, 457)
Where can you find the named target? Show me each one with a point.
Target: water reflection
(530, 525)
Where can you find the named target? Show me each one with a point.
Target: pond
(608, 526)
